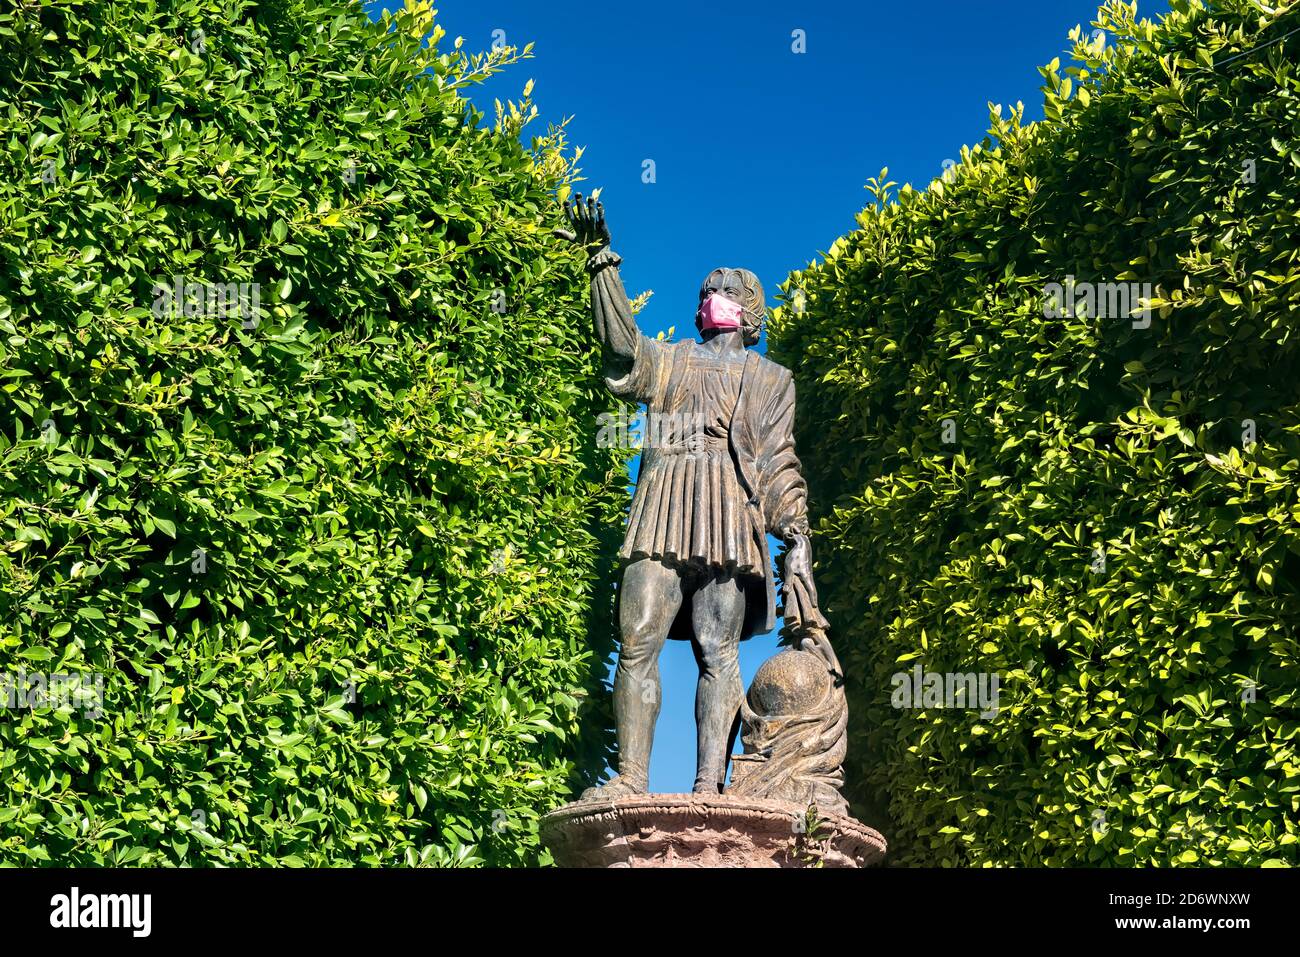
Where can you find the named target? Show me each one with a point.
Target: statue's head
(743, 288)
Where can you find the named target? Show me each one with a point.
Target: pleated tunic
(689, 507)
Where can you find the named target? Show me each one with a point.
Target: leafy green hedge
(1098, 530)
(336, 559)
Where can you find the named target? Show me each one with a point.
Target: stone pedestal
(701, 830)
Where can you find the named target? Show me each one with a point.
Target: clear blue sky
(760, 153)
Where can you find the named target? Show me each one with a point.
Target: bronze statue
(718, 477)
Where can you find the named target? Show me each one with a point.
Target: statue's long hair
(755, 302)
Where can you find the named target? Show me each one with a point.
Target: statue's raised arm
(611, 310)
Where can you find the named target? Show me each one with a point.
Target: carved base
(702, 830)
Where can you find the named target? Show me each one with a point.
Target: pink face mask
(719, 312)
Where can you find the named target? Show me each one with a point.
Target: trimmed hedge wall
(335, 559)
(1101, 510)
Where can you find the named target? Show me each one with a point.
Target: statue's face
(727, 282)
(740, 286)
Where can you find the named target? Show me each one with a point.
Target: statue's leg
(648, 600)
(718, 616)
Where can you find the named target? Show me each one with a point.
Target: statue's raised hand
(587, 219)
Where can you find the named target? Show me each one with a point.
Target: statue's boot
(616, 787)
(708, 785)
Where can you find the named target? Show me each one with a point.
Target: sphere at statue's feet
(704, 830)
(791, 682)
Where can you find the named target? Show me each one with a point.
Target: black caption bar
(338, 907)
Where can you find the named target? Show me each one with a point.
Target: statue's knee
(720, 653)
(639, 648)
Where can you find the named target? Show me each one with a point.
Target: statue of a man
(718, 473)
